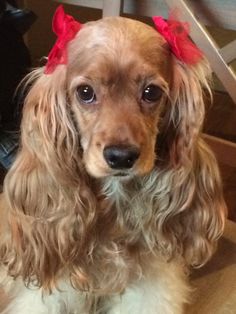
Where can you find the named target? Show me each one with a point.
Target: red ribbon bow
(177, 35)
(65, 27)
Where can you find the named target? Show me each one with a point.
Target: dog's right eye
(86, 94)
(152, 93)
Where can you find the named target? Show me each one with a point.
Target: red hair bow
(177, 35)
(65, 27)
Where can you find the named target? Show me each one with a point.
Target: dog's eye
(151, 93)
(86, 94)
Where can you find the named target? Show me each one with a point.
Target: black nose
(121, 157)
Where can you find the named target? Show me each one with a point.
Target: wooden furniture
(225, 151)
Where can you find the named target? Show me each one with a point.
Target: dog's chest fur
(137, 206)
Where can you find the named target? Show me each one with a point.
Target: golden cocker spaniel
(114, 194)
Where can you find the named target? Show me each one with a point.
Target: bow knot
(66, 28)
(177, 35)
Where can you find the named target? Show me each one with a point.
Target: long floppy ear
(194, 218)
(48, 131)
(190, 83)
(46, 191)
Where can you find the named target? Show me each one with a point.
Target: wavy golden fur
(65, 212)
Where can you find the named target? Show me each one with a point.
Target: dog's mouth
(121, 174)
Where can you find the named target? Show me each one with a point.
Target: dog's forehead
(114, 41)
(118, 28)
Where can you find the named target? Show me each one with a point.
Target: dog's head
(118, 77)
(120, 91)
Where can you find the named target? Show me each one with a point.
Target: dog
(114, 195)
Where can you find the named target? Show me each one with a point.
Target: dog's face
(117, 84)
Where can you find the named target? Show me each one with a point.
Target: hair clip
(176, 34)
(66, 28)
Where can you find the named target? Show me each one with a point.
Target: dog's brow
(144, 77)
(157, 79)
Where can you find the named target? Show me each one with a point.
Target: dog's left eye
(86, 94)
(151, 93)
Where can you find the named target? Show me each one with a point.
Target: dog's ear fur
(195, 218)
(46, 189)
(48, 131)
(183, 120)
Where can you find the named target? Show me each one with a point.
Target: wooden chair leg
(203, 39)
(228, 52)
(112, 7)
